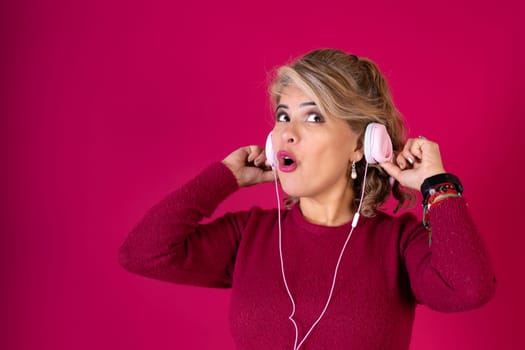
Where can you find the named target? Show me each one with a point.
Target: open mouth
(287, 162)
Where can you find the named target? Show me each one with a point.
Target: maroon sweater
(387, 268)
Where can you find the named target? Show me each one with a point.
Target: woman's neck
(330, 210)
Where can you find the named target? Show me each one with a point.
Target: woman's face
(313, 151)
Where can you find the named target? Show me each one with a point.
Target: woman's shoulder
(383, 217)
(388, 232)
(254, 215)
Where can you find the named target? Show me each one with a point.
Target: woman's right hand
(248, 164)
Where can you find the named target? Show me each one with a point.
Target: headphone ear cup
(377, 145)
(270, 154)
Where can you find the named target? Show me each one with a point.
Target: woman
(316, 276)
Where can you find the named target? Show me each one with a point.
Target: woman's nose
(289, 134)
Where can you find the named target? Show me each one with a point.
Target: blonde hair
(351, 88)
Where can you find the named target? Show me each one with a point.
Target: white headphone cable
(354, 224)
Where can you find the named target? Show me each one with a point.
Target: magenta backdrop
(108, 105)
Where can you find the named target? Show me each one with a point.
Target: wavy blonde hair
(351, 88)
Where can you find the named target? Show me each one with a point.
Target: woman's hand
(248, 165)
(419, 160)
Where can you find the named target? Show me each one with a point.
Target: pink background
(106, 106)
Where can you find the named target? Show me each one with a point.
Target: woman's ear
(359, 150)
(357, 155)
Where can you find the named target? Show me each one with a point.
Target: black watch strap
(432, 181)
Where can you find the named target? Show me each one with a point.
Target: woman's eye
(314, 118)
(282, 117)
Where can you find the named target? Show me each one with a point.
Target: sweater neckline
(308, 226)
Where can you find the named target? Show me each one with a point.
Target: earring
(353, 175)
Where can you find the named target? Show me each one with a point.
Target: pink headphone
(377, 145)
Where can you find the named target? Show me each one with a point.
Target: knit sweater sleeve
(170, 243)
(454, 273)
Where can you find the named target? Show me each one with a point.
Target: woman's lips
(287, 162)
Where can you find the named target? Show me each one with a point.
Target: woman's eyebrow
(304, 104)
(281, 106)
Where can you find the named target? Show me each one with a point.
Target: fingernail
(402, 165)
(410, 160)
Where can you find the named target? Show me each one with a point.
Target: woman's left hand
(419, 160)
